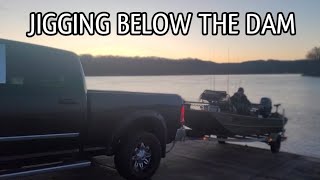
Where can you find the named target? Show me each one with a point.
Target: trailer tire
(276, 145)
(138, 156)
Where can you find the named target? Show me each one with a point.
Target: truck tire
(138, 156)
(275, 145)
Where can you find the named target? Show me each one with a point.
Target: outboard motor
(265, 107)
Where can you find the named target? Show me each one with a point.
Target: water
(299, 96)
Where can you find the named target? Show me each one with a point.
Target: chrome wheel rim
(141, 157)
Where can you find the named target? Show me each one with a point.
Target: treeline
(125, 66)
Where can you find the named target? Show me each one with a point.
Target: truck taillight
(182, 112)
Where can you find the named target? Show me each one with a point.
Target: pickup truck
(50, 121)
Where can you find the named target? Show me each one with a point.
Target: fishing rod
(228, 71)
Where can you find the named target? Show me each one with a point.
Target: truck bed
(110, 111)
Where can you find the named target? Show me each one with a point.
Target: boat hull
(229, 124)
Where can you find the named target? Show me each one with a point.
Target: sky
(14, 18)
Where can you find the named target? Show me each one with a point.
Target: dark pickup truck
(49, 121)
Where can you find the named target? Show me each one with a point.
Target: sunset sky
(14, 18)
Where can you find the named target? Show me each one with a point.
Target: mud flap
(182, 133)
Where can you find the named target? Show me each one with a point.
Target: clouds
(14, 18)
(2, 6)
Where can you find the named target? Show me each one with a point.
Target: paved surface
(202, 160)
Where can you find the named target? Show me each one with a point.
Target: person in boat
(240, 101)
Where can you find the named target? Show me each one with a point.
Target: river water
(299, 95)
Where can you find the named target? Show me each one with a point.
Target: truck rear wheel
(138, 156)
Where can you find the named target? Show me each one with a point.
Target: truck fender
(131, 122)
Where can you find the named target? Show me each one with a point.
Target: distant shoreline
(196, 75)
(156, 66)
(313, 74)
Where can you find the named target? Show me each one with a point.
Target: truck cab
(42, 100)
(48, 115)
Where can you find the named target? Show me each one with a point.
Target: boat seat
(277, 105)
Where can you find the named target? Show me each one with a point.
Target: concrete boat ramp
(204, 160)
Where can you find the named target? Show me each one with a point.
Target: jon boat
(215, 115)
